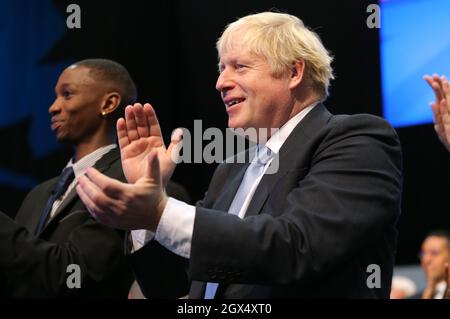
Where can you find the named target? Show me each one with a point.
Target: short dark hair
(441, 233)
(117, 75)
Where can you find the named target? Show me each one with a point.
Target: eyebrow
(63, 86)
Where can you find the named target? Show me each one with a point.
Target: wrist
(159, 210)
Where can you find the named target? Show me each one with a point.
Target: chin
(235, 123)
(231, 124)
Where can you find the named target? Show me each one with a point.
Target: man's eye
(66, 94)
(240, 66)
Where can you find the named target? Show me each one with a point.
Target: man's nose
(224, 81)
(54, 107)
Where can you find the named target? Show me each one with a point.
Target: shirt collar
(440, 290)
(280, 136)
(89, 160)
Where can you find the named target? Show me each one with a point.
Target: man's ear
(297, 73)
(110, 103)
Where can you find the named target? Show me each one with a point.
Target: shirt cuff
(176, 226)
(141, 237)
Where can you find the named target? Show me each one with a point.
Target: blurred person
(434, 258)
(402, 287)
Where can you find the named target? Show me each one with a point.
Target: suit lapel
(32, 220)
(101, 165)
(69, 198)
(292, 154)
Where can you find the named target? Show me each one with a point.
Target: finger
(176, 143)
(428, 79)
(437, 91)
(437, 118)
(444, 111)
(444, 82)
(155, 129)
(445, 119)
(442, 85)
(143, 127)
(434, 85)
(93, 209)
(110, 187)
(435, 77)
(88, 194)
(122, 135)
(130, 120)
(100, 205)
(446, 92)
(153, 172)
(438, 125)
(90, 205)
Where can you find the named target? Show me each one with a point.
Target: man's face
(434, 255)
(253, 97)
(77, 107)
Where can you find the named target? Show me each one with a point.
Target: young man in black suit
(49, 234)
(322, 224)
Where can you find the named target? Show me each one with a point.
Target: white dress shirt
(439, 291)
(79, 168)
(176, 225)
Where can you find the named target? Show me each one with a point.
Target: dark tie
(254, 170)
(63, 182)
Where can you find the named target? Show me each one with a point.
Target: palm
(138, 136)
(134, 156)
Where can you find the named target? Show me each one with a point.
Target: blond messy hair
(282, 39)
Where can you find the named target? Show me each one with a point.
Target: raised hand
(430, 289)
(125, 206)
(138, 134)
(441, 107)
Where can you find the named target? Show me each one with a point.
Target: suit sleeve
(35, 268)
(159, 272)
(342, 202)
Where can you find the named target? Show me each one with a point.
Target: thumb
(153, 172)
(175, 146)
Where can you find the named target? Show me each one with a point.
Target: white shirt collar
(439, 291)
(89, 160)
(280, 136)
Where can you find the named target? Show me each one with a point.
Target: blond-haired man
(322, 225)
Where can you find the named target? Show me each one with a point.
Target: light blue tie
(254, 170)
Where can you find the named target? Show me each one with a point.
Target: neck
(301, 104)
(86, 147)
